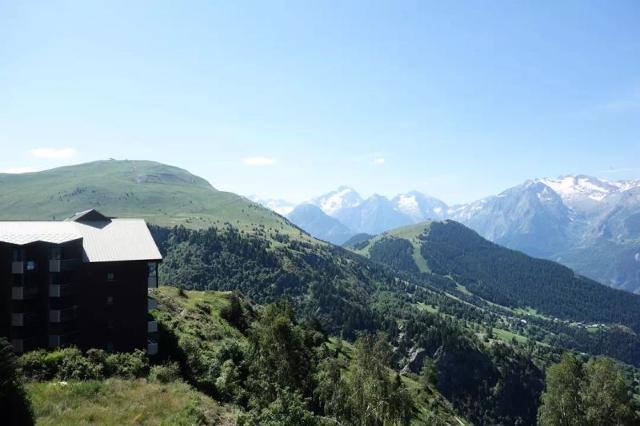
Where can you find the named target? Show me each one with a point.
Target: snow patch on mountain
(342, 198)
(408, 204)
(571, 188)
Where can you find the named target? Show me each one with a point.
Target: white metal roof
(117, 240)
(112, 240)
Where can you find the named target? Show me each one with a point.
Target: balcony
(152, 326)
(58, 265)
(23, 292)
(151, 304)
(60, 290)
(152, 348)
(17, 267)
(62, 315)
(23, 344)
(21, 319)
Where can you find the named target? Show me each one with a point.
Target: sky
(289, 100)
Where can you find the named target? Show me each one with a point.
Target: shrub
(127, 365)
(63, 364)
(33, 366)
(165, 373)
(71, 364)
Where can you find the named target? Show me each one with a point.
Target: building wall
(113, 314)
(105, 305)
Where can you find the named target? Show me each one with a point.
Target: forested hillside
(459, 324)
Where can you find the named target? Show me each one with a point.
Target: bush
(71, 364)
(62, 364)
(165, 373)
(127, 365)
(33, 366)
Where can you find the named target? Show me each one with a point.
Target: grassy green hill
(501, 275)
(161, 194)
(598, 319)
(438, 291)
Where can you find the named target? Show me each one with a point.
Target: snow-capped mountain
(589, 224)
(335, 201)
(530, 217)
(378, 213)
(374, 215)
(592, 225)
(419, 207)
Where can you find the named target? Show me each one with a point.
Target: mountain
(509, 278)
(485, 317)
(320, 225)
(530, 217)
(419, 207)
(335, 201)
(373, 215)
(586, 223)
(377, 213)
(161, 194)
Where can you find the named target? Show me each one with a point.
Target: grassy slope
(161, 194)
(197, 314)
(122, 402)
(409, 233)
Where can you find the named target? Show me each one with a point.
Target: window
(111, 276)
(31, 265)
(56, 253)
(110, 347)
(18, 254)
(109, 300)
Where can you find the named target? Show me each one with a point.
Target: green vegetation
(14, 404)
(161, 194)
(535, 301)
(119, 402)
(590, 394)
(282, 371)
(72, 364)
(439, 326)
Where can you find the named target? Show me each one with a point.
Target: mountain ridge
(572, 219)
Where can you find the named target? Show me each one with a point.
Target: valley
(484, 321)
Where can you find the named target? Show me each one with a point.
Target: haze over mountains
(589, 224)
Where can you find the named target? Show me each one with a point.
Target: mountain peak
(334, 201)
(579, 187)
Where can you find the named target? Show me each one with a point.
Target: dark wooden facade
(50, 297)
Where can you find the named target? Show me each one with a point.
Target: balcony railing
(152, 304)
(23, 292)
(21, 319)
(57, 340)
(152, 326)
(152, 348)
(23, 344)
(60, 290)
(62, 315)
(59, 265)
(17, 267)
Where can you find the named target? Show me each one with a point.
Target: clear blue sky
(291, 99)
